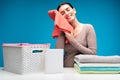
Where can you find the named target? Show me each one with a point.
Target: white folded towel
(98, 59)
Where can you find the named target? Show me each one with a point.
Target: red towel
(60, 23)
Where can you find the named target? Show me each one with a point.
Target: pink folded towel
(60, 23)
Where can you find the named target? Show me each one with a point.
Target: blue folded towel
(100, 68)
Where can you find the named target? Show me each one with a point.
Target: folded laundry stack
(93, 64)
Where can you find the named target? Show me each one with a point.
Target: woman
(81, 41)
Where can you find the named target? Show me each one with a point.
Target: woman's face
(67, 12)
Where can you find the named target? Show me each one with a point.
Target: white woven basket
(27, 58)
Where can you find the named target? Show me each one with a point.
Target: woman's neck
(75, 23)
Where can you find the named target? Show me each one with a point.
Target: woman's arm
(60, 41)
(91, 40)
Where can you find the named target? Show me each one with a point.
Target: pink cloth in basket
(25, 44)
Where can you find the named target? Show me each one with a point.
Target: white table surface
(68, 74)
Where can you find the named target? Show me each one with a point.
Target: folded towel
(100, 68)
(76, 67)
(60, 23)
(96, 58)
(99, 65)
(80, 64)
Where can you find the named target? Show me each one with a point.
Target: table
(68, 74)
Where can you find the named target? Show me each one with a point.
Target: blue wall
(28, 21)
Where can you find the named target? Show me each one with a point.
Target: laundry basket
(24, 58)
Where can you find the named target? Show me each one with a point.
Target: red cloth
(60, 23)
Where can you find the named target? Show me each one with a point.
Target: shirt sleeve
(91, 41)
(60, 43)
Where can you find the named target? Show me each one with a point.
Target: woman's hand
(69, 36)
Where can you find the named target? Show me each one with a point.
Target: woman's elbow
(93, 52)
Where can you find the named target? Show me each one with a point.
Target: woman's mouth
(68, 16)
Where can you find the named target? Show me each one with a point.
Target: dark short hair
(63, 3)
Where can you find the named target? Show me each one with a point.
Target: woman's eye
(68, 9)
(62, 13)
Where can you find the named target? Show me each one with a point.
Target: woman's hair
(63, 3)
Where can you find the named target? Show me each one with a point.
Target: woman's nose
(66, 12)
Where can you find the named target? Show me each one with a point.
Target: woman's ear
(74, 10)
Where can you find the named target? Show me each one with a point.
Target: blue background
(27, 21)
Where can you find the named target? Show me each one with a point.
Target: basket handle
(38, 51)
